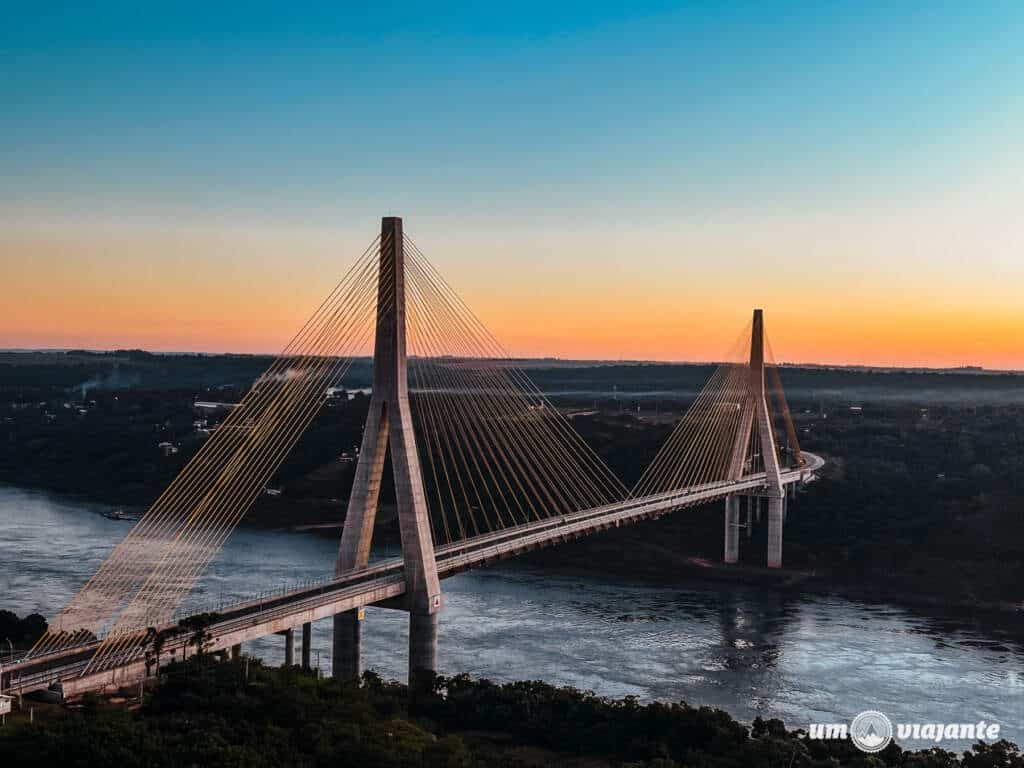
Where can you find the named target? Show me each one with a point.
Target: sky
(596, 180)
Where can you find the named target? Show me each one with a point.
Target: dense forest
(240, 713)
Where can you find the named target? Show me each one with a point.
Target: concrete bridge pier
(345, 664)
(289, 647)
(776, 515)
(422, 650)
(307, 640)
(732, 529)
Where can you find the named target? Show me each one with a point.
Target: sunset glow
(613, 187)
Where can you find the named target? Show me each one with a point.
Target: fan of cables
(494, 451)
(144, 579)
(703, 450)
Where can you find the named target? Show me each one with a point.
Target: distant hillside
(75, 371)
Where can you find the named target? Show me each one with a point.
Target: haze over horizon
(597, 182)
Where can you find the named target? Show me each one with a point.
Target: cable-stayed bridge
(483, 465)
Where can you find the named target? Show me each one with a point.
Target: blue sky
(609, 118)
(717, 99)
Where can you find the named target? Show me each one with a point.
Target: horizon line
(965, 368)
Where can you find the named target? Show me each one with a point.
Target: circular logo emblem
(871, 731)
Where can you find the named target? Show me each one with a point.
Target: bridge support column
(422, 651)
(307, 640)
(345, 665)
(236, 652)
(776, 514)
(289, 647)
(732, 529)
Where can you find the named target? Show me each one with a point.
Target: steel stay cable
(440, 422)
(141, 527)
(603, 473)
(291, 364)
(668, 455)
(477, 455)
(786, 415)
(477, 427)
(661, 471)
(430, 439)
(170, 600)
(202, 565)
(443, 447)
(537, 427)
(783, 402)
(308, 381)
(482, 452)
(455, 380)
(427, 437)
(324, 360)
(472, 479)
(502, 418)
(708, 448)
(689, 466)
(150, 522)
(448, 431)
(83, 601)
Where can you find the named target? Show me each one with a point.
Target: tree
(199, 625)
(155, 641)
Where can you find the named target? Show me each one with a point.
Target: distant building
(207, 406)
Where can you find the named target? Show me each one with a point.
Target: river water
(750, 651)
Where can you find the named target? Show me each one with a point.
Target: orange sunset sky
(613, 185)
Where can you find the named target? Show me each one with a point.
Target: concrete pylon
(389, 421)
(289, 647)
(307, 645)
(732, 526)
(755, 411)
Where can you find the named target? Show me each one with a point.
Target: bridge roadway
(380, 582)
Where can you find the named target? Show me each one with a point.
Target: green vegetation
(21, 633)
(243, 714)
(923, 500)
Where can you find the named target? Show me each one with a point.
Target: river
(748, 650)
